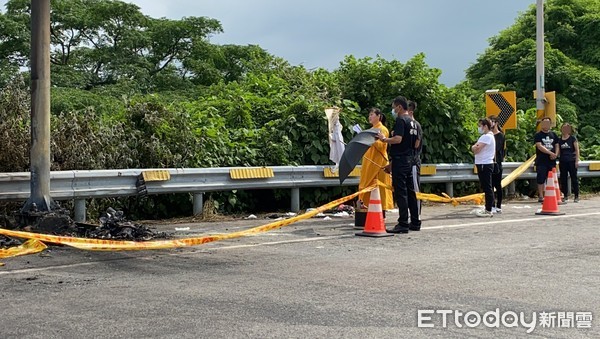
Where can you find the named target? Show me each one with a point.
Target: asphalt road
(315, 279)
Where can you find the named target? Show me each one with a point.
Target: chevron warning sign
(504, 106)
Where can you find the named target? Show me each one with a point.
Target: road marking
(38, 269)
(489, 222)
(31, 270)
(265, 244)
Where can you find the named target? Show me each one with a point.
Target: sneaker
(496, 210)
(484, 214)
(576, 200)
(541, 200)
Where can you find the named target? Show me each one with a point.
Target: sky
(320, 33)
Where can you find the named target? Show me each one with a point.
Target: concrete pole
(40, 107)
(540, 81)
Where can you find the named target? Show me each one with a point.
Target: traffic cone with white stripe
(550, 205)
(557, 187)
(374, 224)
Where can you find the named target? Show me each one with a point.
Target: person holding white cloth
(485, 151)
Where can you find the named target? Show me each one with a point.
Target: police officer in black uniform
(402, 154)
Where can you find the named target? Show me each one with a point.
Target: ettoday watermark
(506, 319)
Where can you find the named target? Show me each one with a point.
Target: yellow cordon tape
(477, 198)
(31, 246)
(516, 173)
(35, 243)
(114, 245)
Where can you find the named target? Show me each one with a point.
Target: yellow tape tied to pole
(114, 245)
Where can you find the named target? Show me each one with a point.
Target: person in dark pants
(416, 170)
(402, 152)
(547, 150)
(568, 161)
(484, 151)
(497, 173)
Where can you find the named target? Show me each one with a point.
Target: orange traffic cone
(374, 224)
(550, 206)
(557, 187)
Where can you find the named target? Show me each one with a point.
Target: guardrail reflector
(328, 173)
(251, 173)
(428, 170)
(158, 175)
(594, 166)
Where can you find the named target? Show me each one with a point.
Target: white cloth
(336, 139)
(486, 155)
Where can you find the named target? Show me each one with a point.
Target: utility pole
(40, 108)
(540, 81)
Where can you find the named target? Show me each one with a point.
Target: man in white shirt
(485, 150)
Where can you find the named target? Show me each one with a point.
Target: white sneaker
(496, 210)
(484, 214)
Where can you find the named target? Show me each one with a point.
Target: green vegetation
(131, 91)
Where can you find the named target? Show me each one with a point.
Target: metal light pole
(540, 87)
(40, 108)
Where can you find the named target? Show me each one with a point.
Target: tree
(572, 61)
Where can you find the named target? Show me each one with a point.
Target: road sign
(504, 106)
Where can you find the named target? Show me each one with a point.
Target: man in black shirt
(416, 168)
(546, 145)
(402, 153)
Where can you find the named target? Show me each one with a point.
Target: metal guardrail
(81, 185)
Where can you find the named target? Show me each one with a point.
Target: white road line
(265, 244)
(490, 222)
(32, 270)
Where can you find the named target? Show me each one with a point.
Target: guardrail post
(79, 210)
(295, 199)
(198, 203)
(512, 188)
(450, 189)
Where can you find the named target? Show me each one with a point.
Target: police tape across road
(36, 240)
(114, 245)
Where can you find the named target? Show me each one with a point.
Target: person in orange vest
(373, 163)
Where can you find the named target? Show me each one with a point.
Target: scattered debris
(6, 242)
(113, 225)
(327, 218)
(182, 228)
(345, 208)
(343, 214)
(291, 214)
(250, 217)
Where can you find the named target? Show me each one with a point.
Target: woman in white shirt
(485, 150)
